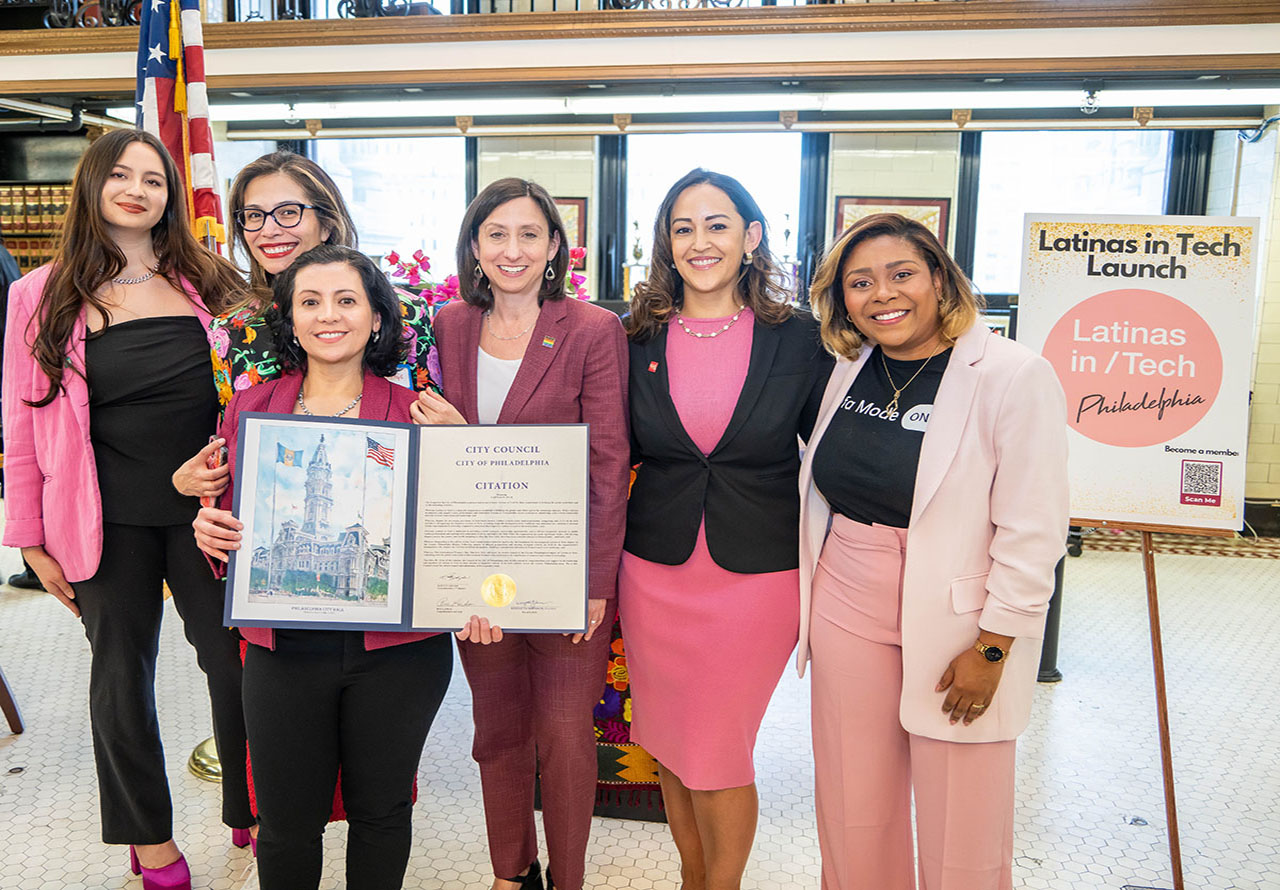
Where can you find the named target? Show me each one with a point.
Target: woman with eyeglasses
(282, 205)
(106, 389)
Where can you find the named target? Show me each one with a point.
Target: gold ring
(976, 707)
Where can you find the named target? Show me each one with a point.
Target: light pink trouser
(867, 765)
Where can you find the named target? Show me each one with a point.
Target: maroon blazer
(574, 371)
(382, 400)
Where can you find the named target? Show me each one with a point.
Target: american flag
(378, 452)
(173, 104)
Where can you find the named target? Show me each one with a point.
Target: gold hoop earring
(747, 258)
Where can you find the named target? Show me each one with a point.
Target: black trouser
(318, 702)
(120, 607)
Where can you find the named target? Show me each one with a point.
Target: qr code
(1201, 482)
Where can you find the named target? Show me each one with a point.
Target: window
(404, 194)
(1102, 171)
(767, 164)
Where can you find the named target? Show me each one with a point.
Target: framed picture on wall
(932, 212)
(573, 212)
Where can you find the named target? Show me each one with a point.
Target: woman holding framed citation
(317, 700)
(515, 350)
(934, 507)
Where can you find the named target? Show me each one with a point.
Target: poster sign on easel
(1148, 321)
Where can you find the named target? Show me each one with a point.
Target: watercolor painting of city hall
(312, 560)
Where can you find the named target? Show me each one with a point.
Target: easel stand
(1157, 663)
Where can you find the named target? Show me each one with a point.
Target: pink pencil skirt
(705, 650)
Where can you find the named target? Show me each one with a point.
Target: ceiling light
(719, 103)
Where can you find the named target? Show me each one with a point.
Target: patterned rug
(1121, 540)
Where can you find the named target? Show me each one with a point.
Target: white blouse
(493, 382)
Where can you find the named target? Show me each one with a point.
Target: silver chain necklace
(141, 278)
(307, 411)
(488, 322)
(700, 334)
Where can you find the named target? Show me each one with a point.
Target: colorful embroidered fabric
(244, 351)
(627, 779)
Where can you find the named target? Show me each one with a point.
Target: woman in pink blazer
(514, 350)
(933, 511)
(107, 388)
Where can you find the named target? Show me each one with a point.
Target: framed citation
(367, 525)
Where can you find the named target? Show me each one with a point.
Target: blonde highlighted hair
(959, 305)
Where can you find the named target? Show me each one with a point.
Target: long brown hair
(959, 305)
(322, 194)
(472, 285)
(87, 258)
(760, 287)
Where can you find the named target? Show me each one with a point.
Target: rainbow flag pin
(548, 342)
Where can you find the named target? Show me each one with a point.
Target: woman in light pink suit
(934, 507)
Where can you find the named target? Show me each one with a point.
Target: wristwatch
(993, 654)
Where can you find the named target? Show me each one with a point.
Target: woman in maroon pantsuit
(514, 350)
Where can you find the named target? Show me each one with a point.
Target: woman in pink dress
(726, 376)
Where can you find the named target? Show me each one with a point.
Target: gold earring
(747, 258)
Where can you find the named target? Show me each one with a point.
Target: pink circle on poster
(1138, 367)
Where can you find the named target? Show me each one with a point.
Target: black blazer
(748, 486)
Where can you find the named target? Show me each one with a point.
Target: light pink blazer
(51, 480)
(988, 524)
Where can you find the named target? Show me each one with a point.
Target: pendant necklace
(303, 405)
(892, 407)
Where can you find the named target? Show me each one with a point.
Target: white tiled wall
(564, 165)
(1257, 193)
(893, 165)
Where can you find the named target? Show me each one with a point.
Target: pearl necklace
(141, 278)
(488, 321)
(303, 405)
(700, 334)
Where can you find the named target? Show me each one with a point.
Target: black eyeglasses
(286, 216)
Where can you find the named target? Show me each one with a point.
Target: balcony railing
(114, 13)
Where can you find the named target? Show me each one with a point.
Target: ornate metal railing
(111, 13)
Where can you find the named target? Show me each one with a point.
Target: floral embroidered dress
(244, 350)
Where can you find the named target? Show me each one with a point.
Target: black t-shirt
(865, 465)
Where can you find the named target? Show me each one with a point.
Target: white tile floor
(1090, 811)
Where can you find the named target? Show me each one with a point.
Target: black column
(966, 209)
(811, 228)
(472, 167)
(1186, 188)
(611, 216)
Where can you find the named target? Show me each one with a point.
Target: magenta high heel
(174, 876)
(243, 837)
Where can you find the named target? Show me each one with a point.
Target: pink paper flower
(221, 342)
(393, 258)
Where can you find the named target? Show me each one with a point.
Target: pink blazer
(574, 371)
(988, 524)
(51, 480)
(382, 400)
